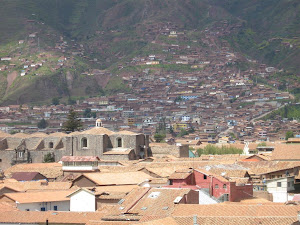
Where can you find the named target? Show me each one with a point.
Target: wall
(263, 194)
(83, 201)
(61, 206)
(238, 193)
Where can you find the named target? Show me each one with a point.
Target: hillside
(81, 45)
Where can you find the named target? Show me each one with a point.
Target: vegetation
(73, 123)
(49, 158)
(289, 111)
(289, 134)
(214, 150)
(42, 124)
(159, 137)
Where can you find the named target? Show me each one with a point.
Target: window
(278, 184)
(27, 209)
(20, 154)
(288, 184)
(0, 160)
(50, 144)
(204, 177)
(84, 143)
(43, 209)
(119, 140)
(216, 186)
(224, 186)
(55, 208)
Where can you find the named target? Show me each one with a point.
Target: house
(108, 179)
(218, 187)
(80, 163)
(82, 200)
(39, 201)
(279, 188)
(28, 176)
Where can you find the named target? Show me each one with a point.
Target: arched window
(224, 186)
(50, 144)
(119, 140)
(216, 186)
(84, 142)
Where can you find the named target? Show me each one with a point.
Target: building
(98, 141)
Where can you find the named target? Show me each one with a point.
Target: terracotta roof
(36, 185)
(49, 170)
(118, 178)
(5, 207)
(42, 196)
(234, 210)
(38, 134)
(53, 217)
(25, 176)
(115, 188)
(228, 220)
(163, 221)
(286, 152)
(158, 201)
(179, 175)
(220, 178)
(58, 134)
(98, 130)
(80, 159)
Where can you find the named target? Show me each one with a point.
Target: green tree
(48, 158)
(289, 134)
(42, 124)
(73, 123)
(159, 137)
(55, 101)
(87, 113)
(183, 132)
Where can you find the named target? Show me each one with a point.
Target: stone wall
(177, 151)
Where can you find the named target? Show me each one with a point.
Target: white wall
(83, 201)
(61, 206)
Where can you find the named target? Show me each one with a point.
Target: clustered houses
(152, 189)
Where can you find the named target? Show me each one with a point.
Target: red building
(217, 186)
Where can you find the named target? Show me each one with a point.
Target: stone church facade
(98, 141)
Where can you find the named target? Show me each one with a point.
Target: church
(98, 141)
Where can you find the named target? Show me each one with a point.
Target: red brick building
(217, 186)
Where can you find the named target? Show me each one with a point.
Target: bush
(214, 150)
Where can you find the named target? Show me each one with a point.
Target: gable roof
(126, 178)
(41, 196)
(208, 173)
(26, 176)
(80, 159)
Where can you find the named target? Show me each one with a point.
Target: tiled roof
(98, 130)
(163, 221)
(52, 217)
(236, 210)
(80, 159)
(49, 170)
(126, 178)
(225, 220)
(286, 152)
(220, 178)
(179, 175)
(36, 185)
(42, 196)
(24, 176)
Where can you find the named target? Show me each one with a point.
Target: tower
(98, 123)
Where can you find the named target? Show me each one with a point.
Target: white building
(279, 188)
(82, 200)
(39, 201)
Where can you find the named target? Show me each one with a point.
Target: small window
(216, 186)
(84, 143)
(55, 208)
(224, 186)
(50, 144)
(27, 209)
(119, 140)
(204, 177)
(289, 184)
(0, 160)
(278, 184)
(20, 154)
(43, 209)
